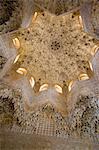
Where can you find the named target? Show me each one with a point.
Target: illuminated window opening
(94, 50)
(32, 82)
(16, 59)
(43, 87)
(16, 43)
(34, 16)
(83, 77)
(81, 21)
(22, 71)
(91, 67)
(58, 88)
(70, 85)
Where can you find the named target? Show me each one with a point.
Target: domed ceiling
(49, 73)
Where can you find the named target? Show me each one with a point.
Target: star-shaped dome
(55, 49)
(49, 72)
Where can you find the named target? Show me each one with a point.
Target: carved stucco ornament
(53, 50)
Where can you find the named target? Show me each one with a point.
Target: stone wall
(16, 141)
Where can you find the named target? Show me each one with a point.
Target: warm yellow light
(80, 21)
(90, 64)
(43, 87)
(34, 16)
(16, 43)
(70, 85)
(16, 59)
(22, 71)
(94, 50)
(32, 82)
(83, 77)
(58, 88)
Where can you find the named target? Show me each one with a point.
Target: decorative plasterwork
(50, 77)
(90, 15)
(55, 50)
